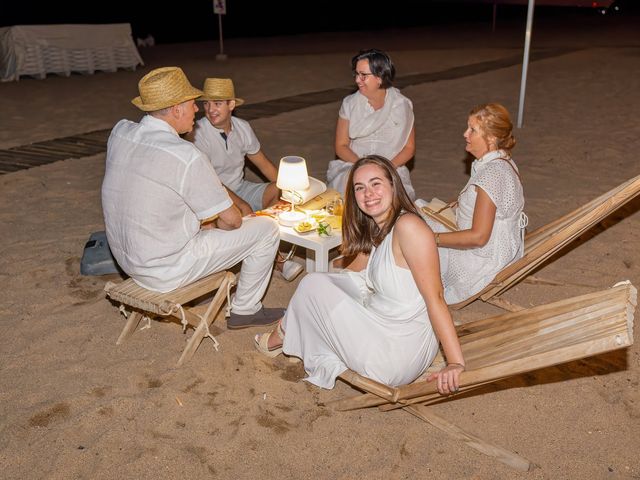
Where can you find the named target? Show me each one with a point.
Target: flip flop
(261, 342)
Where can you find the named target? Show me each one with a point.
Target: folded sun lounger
(512, 344)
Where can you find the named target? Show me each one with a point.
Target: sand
(75, 405)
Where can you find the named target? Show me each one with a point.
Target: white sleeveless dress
(466, 272)
(373, 322)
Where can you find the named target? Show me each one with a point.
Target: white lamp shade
(292, 173)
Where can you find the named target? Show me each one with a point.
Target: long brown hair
(360, 233)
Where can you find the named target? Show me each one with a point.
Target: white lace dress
(466, 272)
(381, 132)
(373, 322)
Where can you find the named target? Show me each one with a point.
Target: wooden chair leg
(202, 328)
(132, 323)
(505, 456)
(193, 343)
(504, 304)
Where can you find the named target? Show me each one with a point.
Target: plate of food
(317, 215)
(305, 226)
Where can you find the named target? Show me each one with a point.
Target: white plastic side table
(317, 247)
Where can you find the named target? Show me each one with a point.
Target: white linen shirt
(378, 132)
(156, 189)
(227, 157)
(382, 132)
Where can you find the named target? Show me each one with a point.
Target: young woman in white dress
(489, 209)
(375, 120)
(385, 321)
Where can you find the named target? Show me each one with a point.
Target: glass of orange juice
(338, 207)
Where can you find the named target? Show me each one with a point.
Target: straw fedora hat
(164, 87)
(220, 89)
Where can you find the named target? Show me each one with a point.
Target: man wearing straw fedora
(157, 191)
(227, 141)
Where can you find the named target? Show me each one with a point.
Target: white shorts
(251, 193)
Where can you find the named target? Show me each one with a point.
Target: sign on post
(220, 7)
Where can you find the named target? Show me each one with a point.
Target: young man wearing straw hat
(227, 140)
(157, 191)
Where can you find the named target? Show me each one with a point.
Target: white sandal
(261, 342)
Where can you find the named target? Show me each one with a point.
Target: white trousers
(255, 244)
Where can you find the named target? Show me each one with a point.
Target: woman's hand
(448, 378)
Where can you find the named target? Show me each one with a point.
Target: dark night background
(193, 20)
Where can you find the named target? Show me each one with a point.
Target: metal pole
(221, 55)
(493, 23)
(525, 62)
(220, 32)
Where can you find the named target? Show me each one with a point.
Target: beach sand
(75, 405)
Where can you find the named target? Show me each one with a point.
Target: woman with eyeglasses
(375, 120)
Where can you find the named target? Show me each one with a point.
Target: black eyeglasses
(361, 75)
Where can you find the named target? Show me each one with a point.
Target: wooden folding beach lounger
(143, 302)
(511, 344)
(547, 240)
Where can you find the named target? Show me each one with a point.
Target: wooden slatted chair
(543, 243)
(512, 344)
(143, 302)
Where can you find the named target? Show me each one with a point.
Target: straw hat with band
(164, 87)
(216, 89)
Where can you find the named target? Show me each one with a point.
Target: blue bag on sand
(97, 258)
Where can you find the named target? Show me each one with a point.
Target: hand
(209, 223)
(448, 378)
(245, 209)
